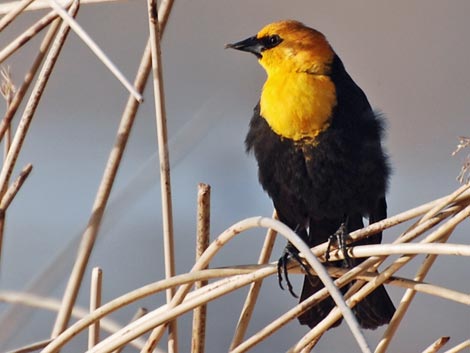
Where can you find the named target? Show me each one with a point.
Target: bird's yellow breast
(297, 105)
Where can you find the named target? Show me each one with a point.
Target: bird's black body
(317, 184)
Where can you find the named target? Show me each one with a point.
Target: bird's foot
(289, 253)
(339, 238)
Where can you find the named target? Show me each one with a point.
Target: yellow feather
(298, 96)
(298, 106)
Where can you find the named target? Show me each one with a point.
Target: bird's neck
(297, 105)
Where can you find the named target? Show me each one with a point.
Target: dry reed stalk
(51, 304)
(7, 90)
(460, 347)
(362, 251)
(444, 203)
(308, 348)
(15, 187)
(18, 98)
(33, 102)
(95, 303)
(464, 175)
(43, 4)
(252, 296)
(410, 234)
(32, 347)
(94, 48)
(437, 345)
(164, 167)
(419, 286)
(203, 236)
(138, 314)
(106, 184)
(24, 37)
(427, 288)
(16, 9)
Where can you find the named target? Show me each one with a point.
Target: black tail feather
(373, 311)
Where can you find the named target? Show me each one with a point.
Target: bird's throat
(298, 105)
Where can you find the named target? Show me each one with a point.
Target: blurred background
(410, 57)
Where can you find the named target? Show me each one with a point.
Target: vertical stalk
(165, 180)
(95, 303)
(203, 234)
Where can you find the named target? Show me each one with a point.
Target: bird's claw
(289, 253)
(339, 238)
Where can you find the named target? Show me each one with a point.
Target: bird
(318, 146)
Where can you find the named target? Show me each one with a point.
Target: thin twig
(7, 89)
(203, 234)
(464, 175)
(460, 347)
(24, 37)
(362, 251)
(308, 348)
(95, 48)
(32, 347)
(437, 345)
(252, 296)
(95, 303)
(8, 197)
(164, 167)
(444, 203)
(17, 8)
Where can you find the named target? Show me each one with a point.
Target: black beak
(252, 45)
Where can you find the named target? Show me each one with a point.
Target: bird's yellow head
(289, 46)
(298, 96)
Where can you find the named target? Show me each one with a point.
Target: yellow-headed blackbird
(317, 142)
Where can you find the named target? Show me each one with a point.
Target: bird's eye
(271, 41)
